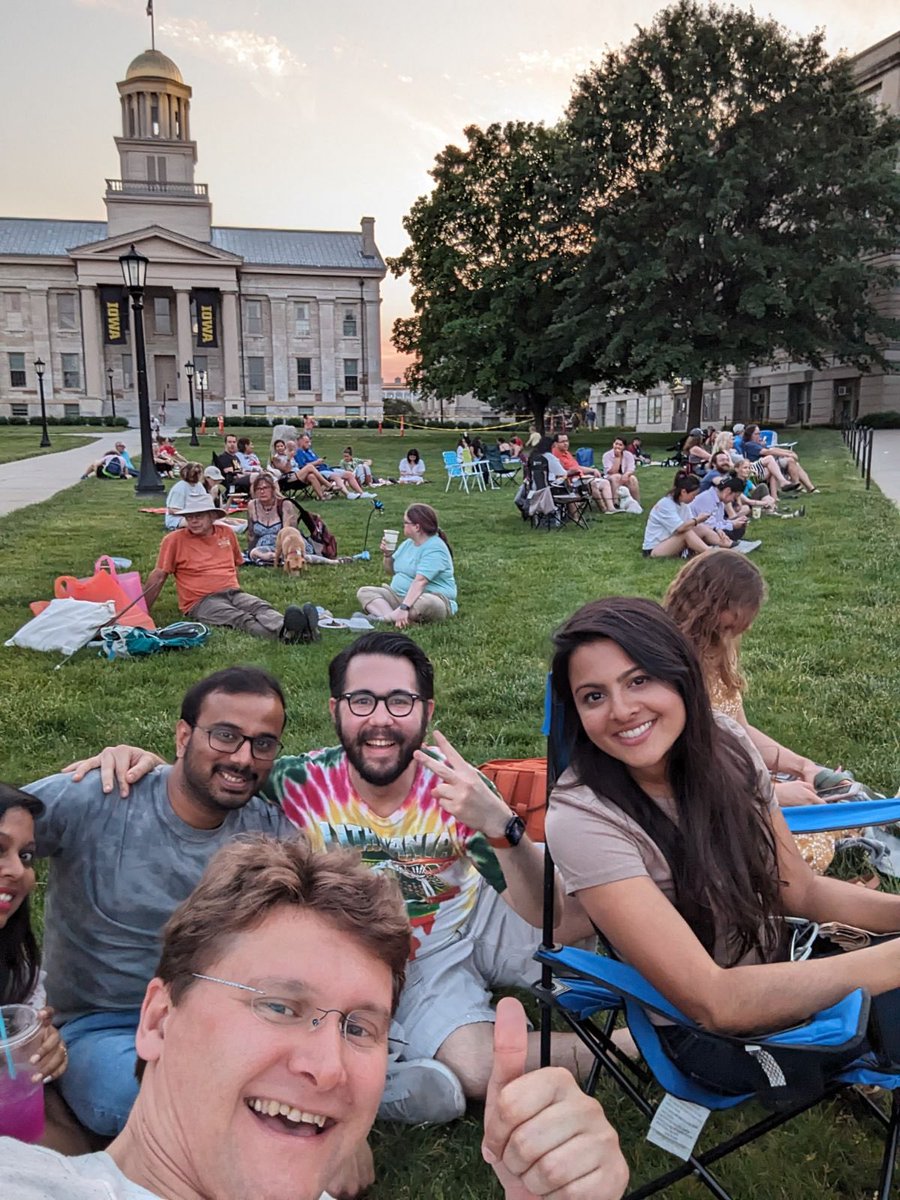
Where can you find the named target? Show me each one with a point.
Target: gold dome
(153, 65)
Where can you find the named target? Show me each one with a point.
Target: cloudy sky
(310, 115)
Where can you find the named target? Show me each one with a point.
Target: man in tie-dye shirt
(471, 877)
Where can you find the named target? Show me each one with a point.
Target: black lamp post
(134, 272)
(39, 368)
(189, 371)
(201, 375)
(112, 395)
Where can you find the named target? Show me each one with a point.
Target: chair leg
(891, 1142)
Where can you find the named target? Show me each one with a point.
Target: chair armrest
(821, 818)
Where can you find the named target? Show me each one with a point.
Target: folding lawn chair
(505, 472)
(454, 469)
(799, 1067)
(570, 506)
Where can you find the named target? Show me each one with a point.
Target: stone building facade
(278, 322)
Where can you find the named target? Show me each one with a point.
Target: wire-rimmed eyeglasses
(364, 703)
(223, 738)
(363, 1029)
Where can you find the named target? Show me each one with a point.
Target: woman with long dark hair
(20, 981)
(423, 586)
(665, 828)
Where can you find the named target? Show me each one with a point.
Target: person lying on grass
(262, 1045)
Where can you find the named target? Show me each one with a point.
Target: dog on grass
(626, 502)
(289, 551)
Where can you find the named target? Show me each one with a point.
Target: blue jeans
(99, 1083)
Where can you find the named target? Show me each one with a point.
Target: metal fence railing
(859, 440)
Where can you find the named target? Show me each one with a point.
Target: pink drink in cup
(21, 1100)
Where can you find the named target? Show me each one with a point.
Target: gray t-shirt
(118, 870)
(35, 1173)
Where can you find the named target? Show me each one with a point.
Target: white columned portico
(326, 350)
(40, 316)
(183, 337)
(279, 350)
(231, 346)
(93, 347)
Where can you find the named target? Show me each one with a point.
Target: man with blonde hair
(262, 1047)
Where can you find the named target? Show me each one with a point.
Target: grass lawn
(23, 441)
(822, 658)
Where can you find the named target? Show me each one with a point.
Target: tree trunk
(695, 405)
(538, 408)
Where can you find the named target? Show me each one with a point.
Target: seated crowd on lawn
(642, 687)
(381, 790)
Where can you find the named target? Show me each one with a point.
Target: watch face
(515, 831)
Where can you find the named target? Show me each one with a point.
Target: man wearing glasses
(471, 877)
(118, 870)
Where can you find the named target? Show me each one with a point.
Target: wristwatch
(512, 834)
(403, 607)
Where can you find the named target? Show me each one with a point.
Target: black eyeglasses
(363, 704)
(229, 741)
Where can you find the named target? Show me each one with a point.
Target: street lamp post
(112, 394)
(189, 371)
(134, 272)
(39, 365)
(201, 376)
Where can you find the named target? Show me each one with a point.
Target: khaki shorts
(428, 607)
(452, 986)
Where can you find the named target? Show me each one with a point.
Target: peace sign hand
(463, 792)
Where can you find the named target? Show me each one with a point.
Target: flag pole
(152, 29)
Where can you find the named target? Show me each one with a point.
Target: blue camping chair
(455, 470)
(590, 991)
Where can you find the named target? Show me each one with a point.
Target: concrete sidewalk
(31, 480)
(886, 462)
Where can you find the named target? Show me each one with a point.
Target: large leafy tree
(489, 249)
(743, 198)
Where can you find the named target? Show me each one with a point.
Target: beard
(381, 773)
(200, 782)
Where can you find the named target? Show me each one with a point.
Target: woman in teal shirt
(422, 587)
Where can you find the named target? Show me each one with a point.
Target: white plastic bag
(64, 625)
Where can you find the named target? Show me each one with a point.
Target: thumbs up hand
(545, 1139)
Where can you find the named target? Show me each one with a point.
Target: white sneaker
(421, 1092)
(746, 547)
(354, 495)
(367, 496)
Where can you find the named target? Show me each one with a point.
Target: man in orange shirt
(204, 557)
(601, 490)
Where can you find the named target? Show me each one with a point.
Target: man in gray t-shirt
(119, 868)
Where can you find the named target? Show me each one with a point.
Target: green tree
(488, 254)
(743, 198)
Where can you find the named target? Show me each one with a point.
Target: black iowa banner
(207, 326)
(114, 307)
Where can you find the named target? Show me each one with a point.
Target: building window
(156, 169)
(71, 371)
(620, 413)
(65, 311)
(127, 373)
(72, 411)
(304, 410)
(17, 370)
(18, 410)
(256, 374)
(154, 116)
(352, 410)
(301, 318)
(201, 372)
(654, 410)
(257, 410)
(349, 323)
(13, 306)
(162, 315)
(304, 374)
(253, 317)
(759, 405)
(351, 374)
(710, 408)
